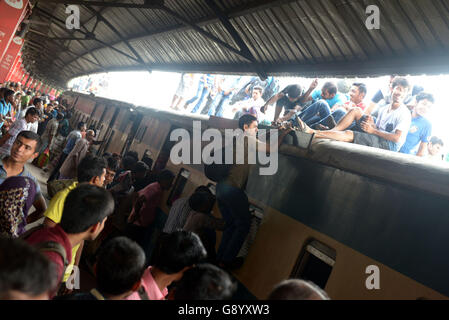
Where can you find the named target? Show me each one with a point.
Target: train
(360, 222)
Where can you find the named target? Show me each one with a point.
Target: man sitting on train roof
(388, 131)
(421, 129)
(290, 99)
(356, 94)
(323, 101)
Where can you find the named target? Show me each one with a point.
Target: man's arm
(290, 114)
(306, 96)
(272, 100)
(265, 147)
(369, 127)
(49, 223)
(40, 205)
(422, 149)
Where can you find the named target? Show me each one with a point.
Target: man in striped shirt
(179, 212)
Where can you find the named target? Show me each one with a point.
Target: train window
(141, 133)
(315, 263)
(178, 186)
(256, 219)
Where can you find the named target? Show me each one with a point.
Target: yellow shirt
(54, 213)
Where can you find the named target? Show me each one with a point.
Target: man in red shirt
(144, 210)
(86, 209)
(357, 95)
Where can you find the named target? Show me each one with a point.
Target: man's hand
(368, 125)
(314, 84)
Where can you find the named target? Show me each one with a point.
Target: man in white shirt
(32, 126)
(250, 106)
(388, 131)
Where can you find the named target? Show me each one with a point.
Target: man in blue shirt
(5, 105)
(324, 100)
(421, 129)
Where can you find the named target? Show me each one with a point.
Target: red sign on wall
(12, 13)
(7, 63)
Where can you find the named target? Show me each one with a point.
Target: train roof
(385, 166)
(263, 37)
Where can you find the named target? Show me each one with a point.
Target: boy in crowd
(421, 129)
(86, 209)
(296, 289)
(24, 148)
(144, 210)
(180, 210)
(6, 141)
(250, 106)
(201, 221)
(387, 132)
(203, 282)
(119, 268)
(91, 170)
(434, 148)
(174, 254)
(25, 273)
(111, 169)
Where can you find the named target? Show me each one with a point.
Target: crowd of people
(395, 118)
(103, 210)
(101, 215)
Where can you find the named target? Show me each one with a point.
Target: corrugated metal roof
(277, 37)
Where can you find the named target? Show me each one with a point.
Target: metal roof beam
(110, 26)
(154, 4)
(85, 33)
(235, 35)
(206, 34)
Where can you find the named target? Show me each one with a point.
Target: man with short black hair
(421, 128)
(6, 103)
(91, 170)
(324, 100)
(231, 197)
(38, 104)
(111, 169)
(6, 141)
(180, 210)
(25, 273)
(86, 209)
(173, 255)
(434, 148)
(290, 98)
(24, 149)
(204, 282)
(145, 208)
(296, 289)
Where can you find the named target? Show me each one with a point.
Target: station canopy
(284, 38)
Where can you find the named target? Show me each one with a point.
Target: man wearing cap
(291, 99)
